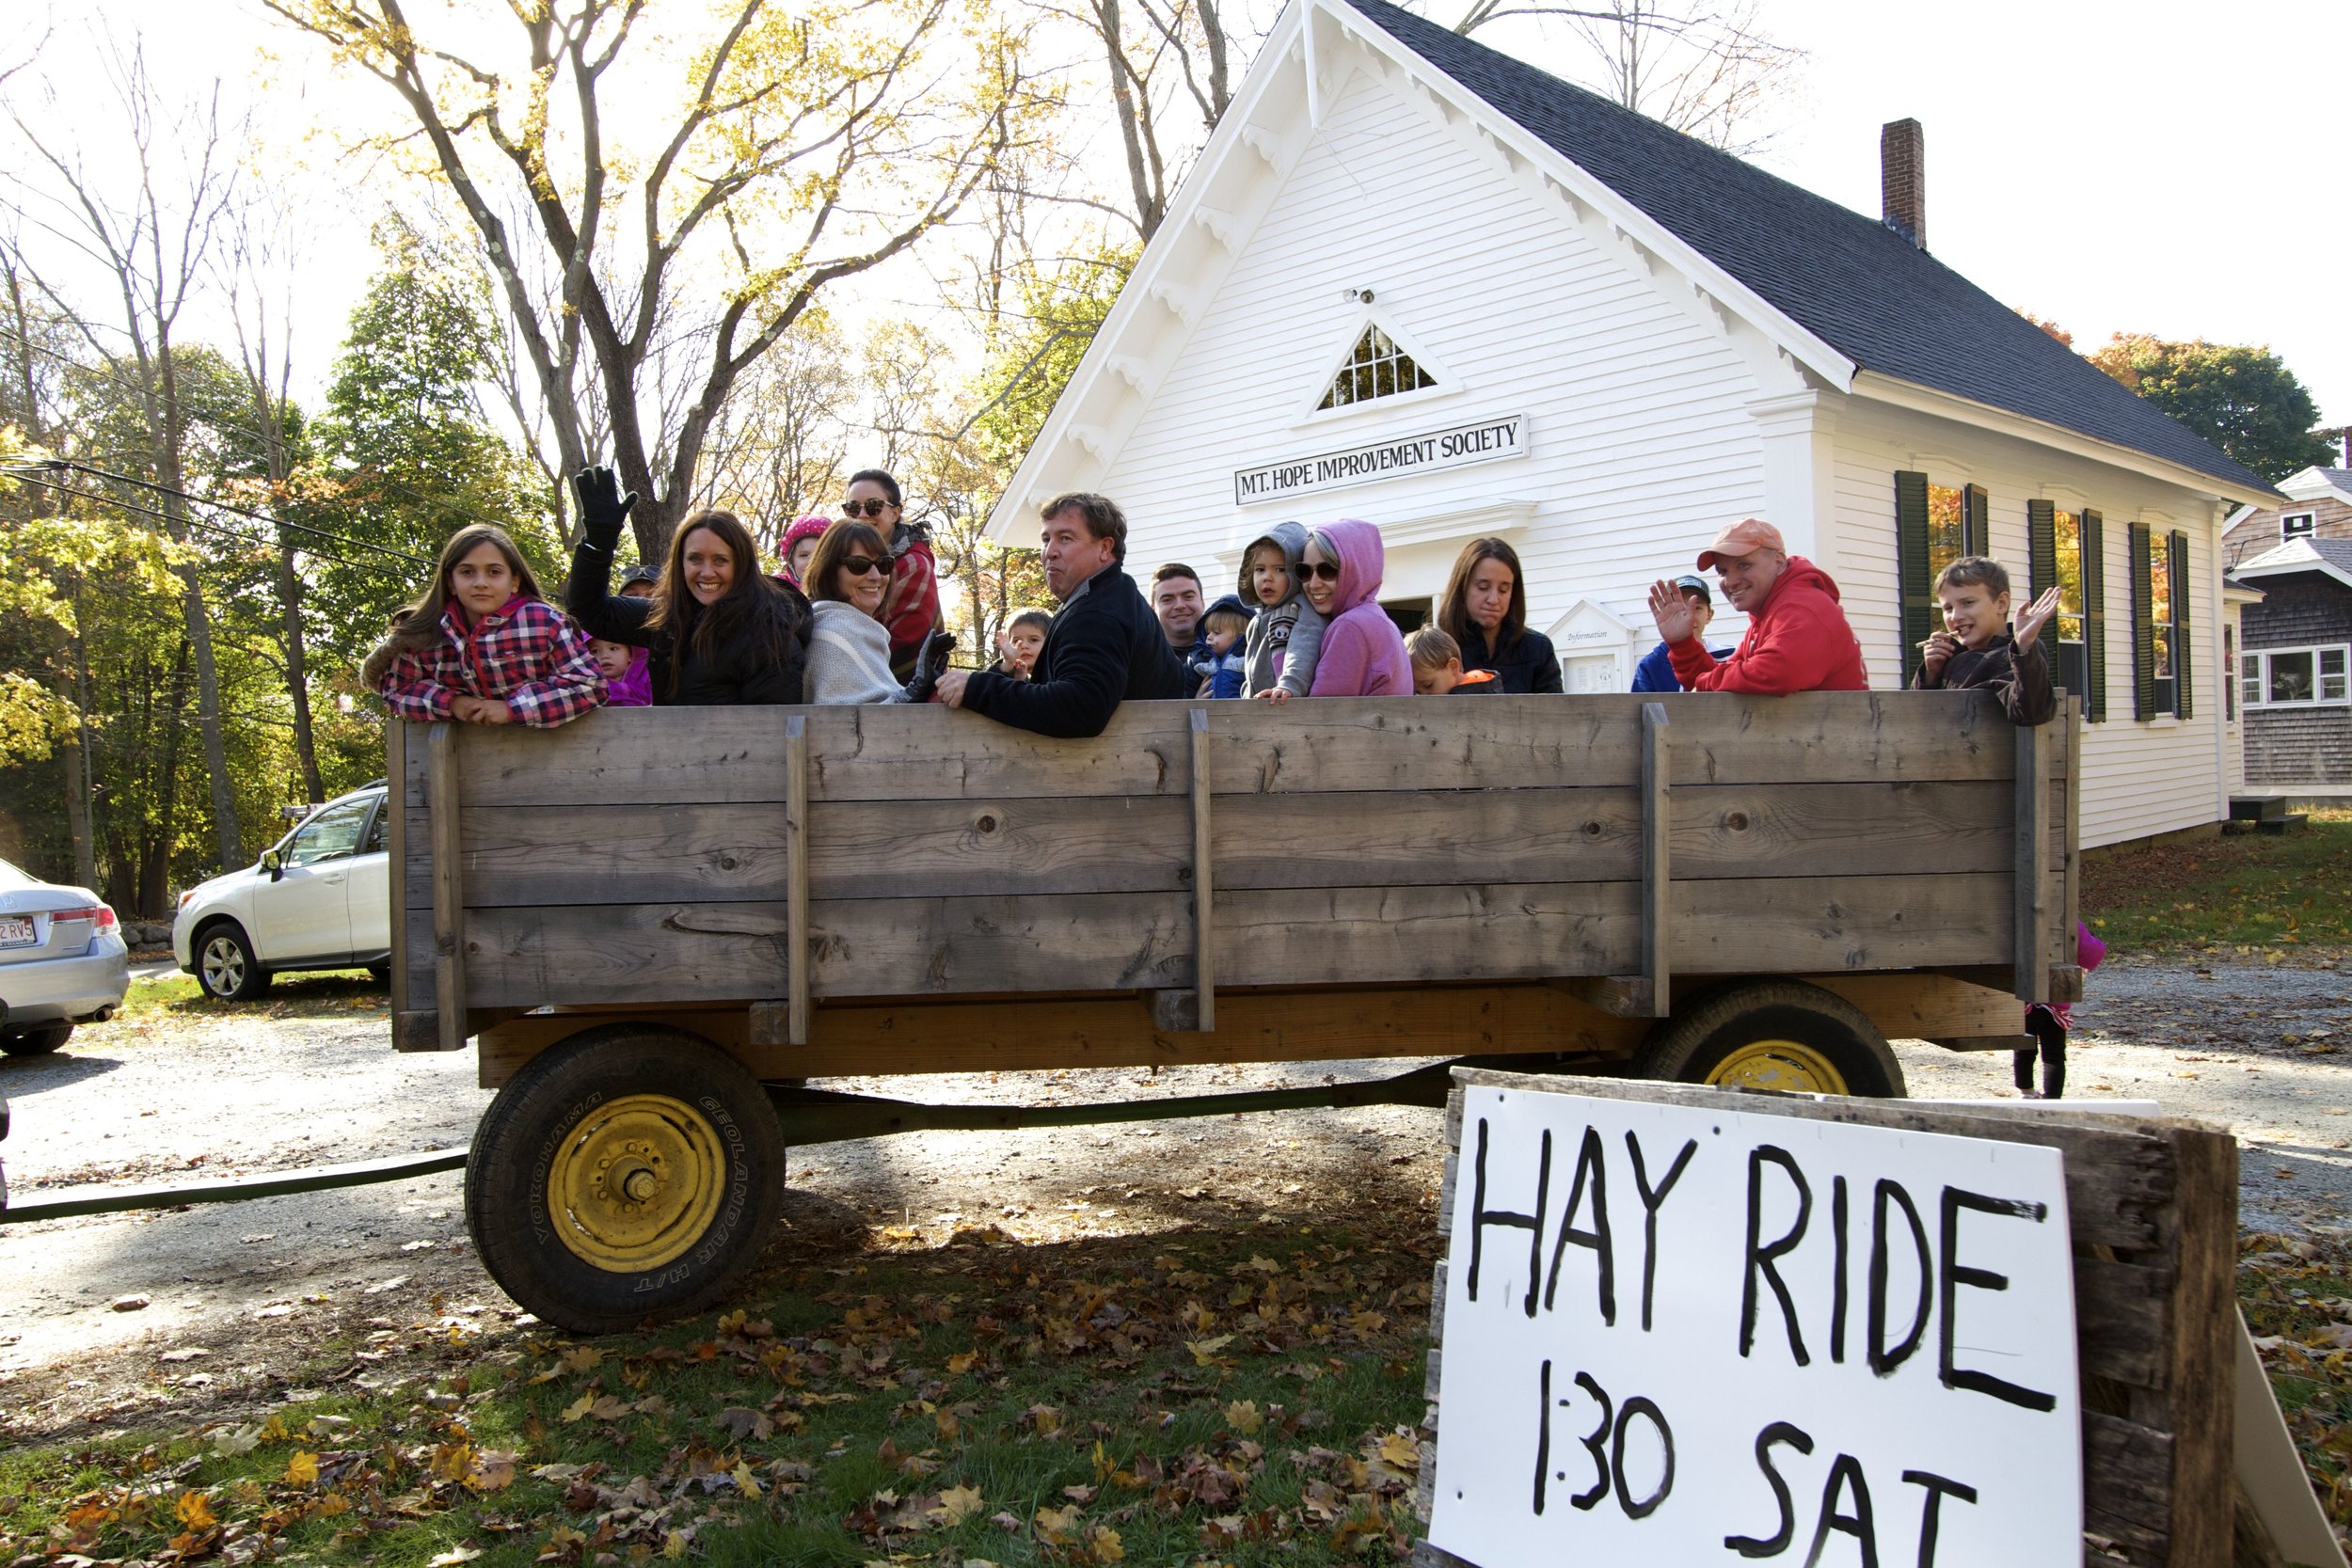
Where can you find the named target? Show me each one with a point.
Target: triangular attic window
(1376, 368)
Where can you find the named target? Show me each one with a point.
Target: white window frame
(2287, 529)
(2254, 672)
(1311, 413)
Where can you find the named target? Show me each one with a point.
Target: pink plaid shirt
(527, 653)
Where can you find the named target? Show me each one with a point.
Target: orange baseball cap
(1744, 537)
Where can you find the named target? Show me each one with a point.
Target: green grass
(2251, 892)
(330, 993)
(1232, 1398)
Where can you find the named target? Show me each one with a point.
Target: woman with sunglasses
(910, 605)
(848, 652)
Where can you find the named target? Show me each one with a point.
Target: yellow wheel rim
(1783, 1065)
(636, 1182)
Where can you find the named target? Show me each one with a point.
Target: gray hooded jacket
(1284, 638)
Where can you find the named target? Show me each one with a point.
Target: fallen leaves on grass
(2297, 1295)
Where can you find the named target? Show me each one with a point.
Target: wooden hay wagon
(657, 921)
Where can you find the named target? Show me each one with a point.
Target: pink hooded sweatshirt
(1363, 653)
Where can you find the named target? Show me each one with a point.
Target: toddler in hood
(1279, 653)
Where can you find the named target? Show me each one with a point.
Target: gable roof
(2318, 482)
(2332, 557)
(1859, 287)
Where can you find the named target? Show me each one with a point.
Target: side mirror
(273, 864)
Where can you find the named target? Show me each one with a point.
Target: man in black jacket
(1104, 647)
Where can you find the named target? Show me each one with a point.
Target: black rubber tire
(1688, 1047)
(238, 975)
(515, 1148)
(37, 1042)
(381, 973)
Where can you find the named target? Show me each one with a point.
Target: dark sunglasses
(873, 508)
(1328, 571)
(858, 566)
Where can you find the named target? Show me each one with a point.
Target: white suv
(320, 899)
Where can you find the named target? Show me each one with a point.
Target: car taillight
(101, 917)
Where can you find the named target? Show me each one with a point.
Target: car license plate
(17, 931)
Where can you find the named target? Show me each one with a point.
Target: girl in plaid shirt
(483, 646)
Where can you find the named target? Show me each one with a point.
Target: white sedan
(62, 962)
(320, 899)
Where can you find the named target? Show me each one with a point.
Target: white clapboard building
(1418, 282)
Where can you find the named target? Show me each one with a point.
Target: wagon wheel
(1774, 1034)
(629, 1172)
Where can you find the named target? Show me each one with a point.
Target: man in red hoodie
(1798, 639)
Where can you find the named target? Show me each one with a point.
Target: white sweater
(848, 656)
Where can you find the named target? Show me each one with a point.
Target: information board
(1679, 1335)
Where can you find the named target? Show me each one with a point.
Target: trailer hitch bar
(807, 1116)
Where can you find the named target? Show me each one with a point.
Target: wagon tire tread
(506, 1205)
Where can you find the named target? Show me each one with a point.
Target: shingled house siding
(2291, 745)
(2258, 530)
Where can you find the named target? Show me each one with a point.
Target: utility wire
(194, 523)
(28, 474)
(436, 503)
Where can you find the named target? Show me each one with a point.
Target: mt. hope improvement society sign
(1458, 446)
(1675, 1336)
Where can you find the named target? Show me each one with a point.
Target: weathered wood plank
(396, 848)
(2197, 1403)
(1657, 823)
(2127, 1489)
(1204, 878)
(1023, 1033)
(1924, 1007)
(637, 951)
(448, 897)
(1142, 844)
(2032, 889)
(796, 973)
(891, 753)
(2119, 1318)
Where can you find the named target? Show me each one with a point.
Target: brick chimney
(1904, 180)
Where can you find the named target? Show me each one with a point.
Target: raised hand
(1671, 610)
(603, 509)
(2034, 617)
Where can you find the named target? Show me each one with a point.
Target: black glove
(928, 661)
(602, 507)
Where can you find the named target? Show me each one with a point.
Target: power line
(436, 503)
(198, 524)
(59, 465)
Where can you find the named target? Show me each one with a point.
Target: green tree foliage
(406, 457)
(2243, 399)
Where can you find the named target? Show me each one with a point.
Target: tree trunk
(209, 723)
(297, 680)
(157, 839)
(76, 766)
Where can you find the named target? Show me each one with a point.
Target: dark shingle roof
(2287, 557)
(1852, 282)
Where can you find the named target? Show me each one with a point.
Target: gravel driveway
(263, 1288)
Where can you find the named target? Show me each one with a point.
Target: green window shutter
(1911, 566)
(1976, 521)
(2182, 662)
(2040, 549)
(2094, 539)
(2143, 631)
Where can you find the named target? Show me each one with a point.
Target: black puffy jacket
(1527, 665)
(734, 675)
(1104, 648)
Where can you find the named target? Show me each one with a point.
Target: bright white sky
(2106, 163)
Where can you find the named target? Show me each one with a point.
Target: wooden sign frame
(2152, 1206)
